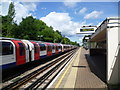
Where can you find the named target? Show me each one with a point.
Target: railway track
(42, 76)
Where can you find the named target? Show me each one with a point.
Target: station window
(7, 48)
(42, 47)
(22, 49)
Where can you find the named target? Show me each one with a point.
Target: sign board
(86, 29)
(86, 37)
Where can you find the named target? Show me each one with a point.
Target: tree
(27, 28)
(57, 37)
(8, 22)
(30, 28)
(48, 34)
(65, 40)
(11, 13)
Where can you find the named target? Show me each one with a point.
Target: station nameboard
(86, 29)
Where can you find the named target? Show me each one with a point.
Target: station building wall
(112, 52)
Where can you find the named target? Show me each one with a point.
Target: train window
(53, 47)
(49, 48)
(7, 48)
(59, 47)
(56, 47)
(42, 47)
(36, 48)
(22, 49)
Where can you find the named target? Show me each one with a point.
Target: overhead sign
(86, 29)
(86, 37)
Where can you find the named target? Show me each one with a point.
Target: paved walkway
(86, 78)
(77, 75)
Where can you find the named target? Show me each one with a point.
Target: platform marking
(61, 71)
(59, 82)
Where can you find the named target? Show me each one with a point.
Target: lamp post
(40, 37)
(54, 40)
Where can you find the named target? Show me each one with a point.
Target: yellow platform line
(59, 82)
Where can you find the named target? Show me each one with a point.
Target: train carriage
(8, 54)
(17, 52)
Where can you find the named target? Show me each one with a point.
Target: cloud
(62, 22)
(71, 3)
(93, 15)
(22, 9)
(64, 0)
(83, 10)
(4, 7)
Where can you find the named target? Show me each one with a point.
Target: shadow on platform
(97, 65)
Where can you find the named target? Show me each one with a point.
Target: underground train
(17, 52)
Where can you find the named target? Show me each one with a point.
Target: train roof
(6, 38)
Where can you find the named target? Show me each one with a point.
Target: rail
(34, 74)
(45, 80)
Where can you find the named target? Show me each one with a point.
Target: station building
(105, 42)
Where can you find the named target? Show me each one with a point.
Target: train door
(36, 51)
(59, 48)
(27, 51)
(8, 57)
(56, 47)
(49, 50)
(53, 49)
(20, 52)
(31, 49)
(62, 48)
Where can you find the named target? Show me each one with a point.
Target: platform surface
(77, 75)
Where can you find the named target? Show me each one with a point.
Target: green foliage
(30, 28)
(48, 34)
(8, 24)
(27, 28)
(11, 13)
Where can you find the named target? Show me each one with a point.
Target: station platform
(78, 75)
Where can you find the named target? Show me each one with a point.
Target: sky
(67, 16)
